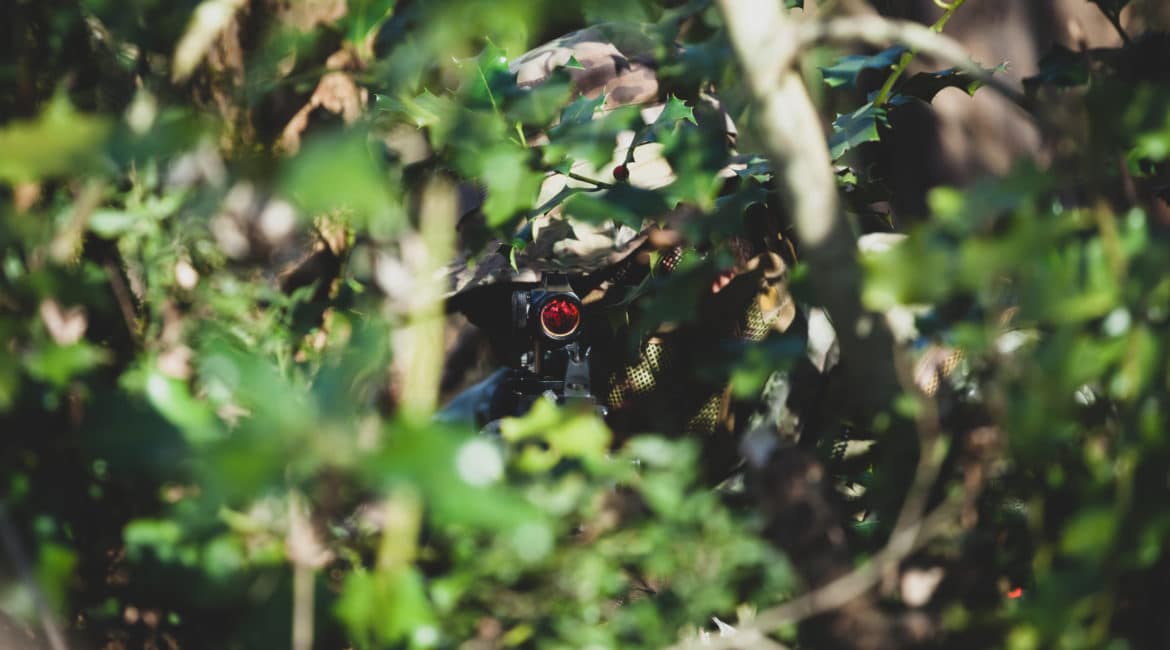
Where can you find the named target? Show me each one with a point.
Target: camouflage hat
(615, 62)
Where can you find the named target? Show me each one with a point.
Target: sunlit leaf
(844, 72)
(855, 129)
(60, 140)
(58, 364)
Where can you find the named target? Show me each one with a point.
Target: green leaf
(336, 173)
(56, 568)
(581, 110)
(490, 79)
(593, 141)
(539, 106)
(161, 536)
(172, 398)
(856, 128)
(422, 110)
(1061, 67)
(674, 111)
(361, 17)
(844, 72)
(9, 381)
(1090, 533)
(623, 204)
(512, 185)
(925, 85)
(386, 607)
(59, 364)
(59, 141)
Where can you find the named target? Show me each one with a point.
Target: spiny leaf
(592, 141)
(674, 111)
(1061, 67)
(581, 110)
(844, 72)
(512, 185)
(925, 85)
(623, 204)
(491, 77)
(855, 129)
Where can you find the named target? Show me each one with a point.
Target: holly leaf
(592, 141)
(624, 204)
(757, 168)
(1060, 67)
(856, 128)
(512, 185)
(423, 110)
(844, 72)
(674, 111)
(539, 106)
(925, 85)
(491, 78)
(581, 110)
(362, 17)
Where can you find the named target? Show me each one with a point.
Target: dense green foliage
(202, 448)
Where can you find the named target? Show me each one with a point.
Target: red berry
(621, 172)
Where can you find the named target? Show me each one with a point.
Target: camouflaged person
(653, 384)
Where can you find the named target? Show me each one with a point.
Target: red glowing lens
(560, 317)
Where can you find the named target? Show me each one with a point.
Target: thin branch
(586, 179)
(880, 32)
(301, 542)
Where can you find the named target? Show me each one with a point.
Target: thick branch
(766, 42)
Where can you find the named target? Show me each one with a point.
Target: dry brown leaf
(65, 326)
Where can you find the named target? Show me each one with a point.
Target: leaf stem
(586, 179)
(904, 62)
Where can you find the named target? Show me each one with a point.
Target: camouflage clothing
(647, 390)
(558, 243)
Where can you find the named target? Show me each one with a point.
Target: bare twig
(932, 448)
(880, 32)
(23, 567)
(586, 179)
(300, 539)
(420, 345)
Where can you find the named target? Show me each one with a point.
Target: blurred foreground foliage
(202, 436)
